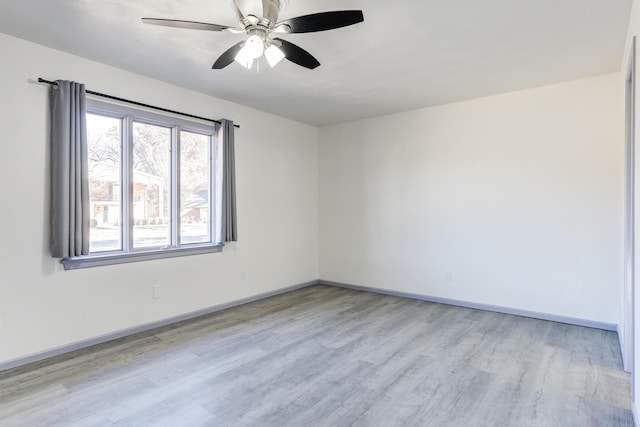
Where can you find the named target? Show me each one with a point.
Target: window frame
(176, 124)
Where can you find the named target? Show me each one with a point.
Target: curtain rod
(140, 104)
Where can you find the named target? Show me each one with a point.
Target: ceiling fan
(260, 27)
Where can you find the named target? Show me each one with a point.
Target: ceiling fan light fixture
(243, 58)
(273, 55)
(254, 47)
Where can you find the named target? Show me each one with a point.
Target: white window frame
(128, 254)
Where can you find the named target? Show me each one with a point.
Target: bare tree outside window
(104, 140)
(195, 188)
(151, 177)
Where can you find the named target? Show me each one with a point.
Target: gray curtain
(69, 171)
(229, 214)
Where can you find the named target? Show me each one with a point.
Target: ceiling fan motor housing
(255, 7)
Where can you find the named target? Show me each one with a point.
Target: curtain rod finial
(41, 80)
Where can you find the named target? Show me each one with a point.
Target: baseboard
(498, 309)
(36, 357)
(14, 363)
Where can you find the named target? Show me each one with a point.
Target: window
(152, 186)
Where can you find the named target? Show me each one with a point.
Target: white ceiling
(407, 54)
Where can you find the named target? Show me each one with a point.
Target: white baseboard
(506, 310)
(56, 351)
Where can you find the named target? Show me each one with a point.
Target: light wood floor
(325, 356)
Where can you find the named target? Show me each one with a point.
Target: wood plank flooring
(325, 356)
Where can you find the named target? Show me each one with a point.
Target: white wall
(43, 307)
(519, 196)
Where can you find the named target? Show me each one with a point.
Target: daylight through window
(151, 181)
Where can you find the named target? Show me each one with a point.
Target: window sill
(74, 263)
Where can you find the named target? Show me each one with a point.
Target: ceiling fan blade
(298, 55)
(228, 56)
(190, 25)
(323, 21)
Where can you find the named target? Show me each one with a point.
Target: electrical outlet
(156, 292)
(243, 276)
(447, 276)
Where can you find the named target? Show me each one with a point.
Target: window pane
(151, 185)
(194, 188)
(104, 151)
